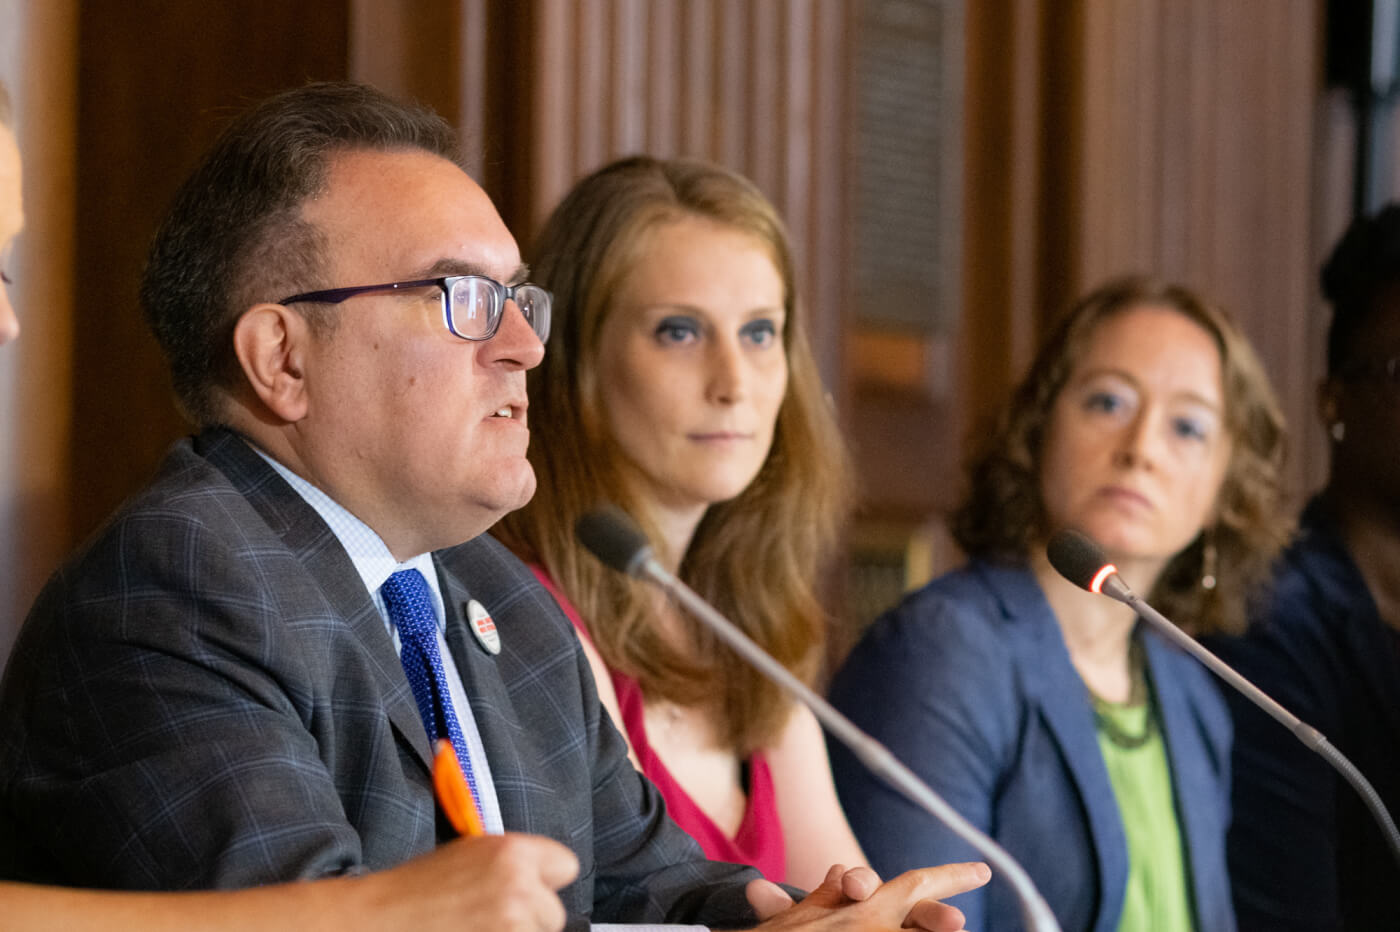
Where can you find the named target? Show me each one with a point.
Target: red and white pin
(479, 620)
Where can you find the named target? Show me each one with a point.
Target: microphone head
(613, 537)
(1078, 559)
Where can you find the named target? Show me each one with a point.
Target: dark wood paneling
(1198, 155)
(519, 39)
(415, 49)
(904, 184)
(757, 87)
(1002, 200)
(157, 80)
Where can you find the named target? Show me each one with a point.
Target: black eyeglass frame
(539, 321)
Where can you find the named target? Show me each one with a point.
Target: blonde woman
(678, 383)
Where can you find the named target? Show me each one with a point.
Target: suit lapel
(501, 733)
(327, 563)
(1063, 701)
(1070, 720)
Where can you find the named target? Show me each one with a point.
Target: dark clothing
(969, 683)
(1304, 850)
(207, 696)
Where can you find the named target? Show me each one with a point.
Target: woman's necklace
(1140, 694)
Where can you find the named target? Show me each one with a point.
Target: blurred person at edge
(679, 384)
(422, 894)
(1305, 852)
(1095, 752)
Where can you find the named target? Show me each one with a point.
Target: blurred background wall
(954, 173)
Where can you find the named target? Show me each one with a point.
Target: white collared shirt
(375, 564)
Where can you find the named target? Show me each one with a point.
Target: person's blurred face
(1367, 460)
(11, 220)
(1136, 448)
(419, 433)
(692, 367)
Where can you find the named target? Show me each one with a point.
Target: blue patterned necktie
(410, 604)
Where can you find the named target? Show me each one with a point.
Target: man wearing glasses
(242, 677)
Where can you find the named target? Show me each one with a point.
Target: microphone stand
(1035, 912)
(1115, 588)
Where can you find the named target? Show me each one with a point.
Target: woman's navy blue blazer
(969, 683)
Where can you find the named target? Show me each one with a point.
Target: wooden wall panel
(816, 197)
(419, 49)
(1190, 138)
(145, 120)
(905, 195)
(1198, 144)
(1009, 146)
(749, 85)
(695, 110)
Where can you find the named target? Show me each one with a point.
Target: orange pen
(453, 793)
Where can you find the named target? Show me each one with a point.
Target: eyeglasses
(472, 305)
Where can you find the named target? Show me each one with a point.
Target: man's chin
(511, 497)
(485, 507)
(525, 489)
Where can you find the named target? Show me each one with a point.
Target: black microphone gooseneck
(613, 538)
(1078, 559)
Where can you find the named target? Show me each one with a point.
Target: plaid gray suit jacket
(205, 695)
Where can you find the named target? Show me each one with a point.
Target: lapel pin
(479, 620)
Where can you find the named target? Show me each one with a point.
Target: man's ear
(271, 343)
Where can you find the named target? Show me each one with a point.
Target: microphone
(611, 536)
(1078, 559)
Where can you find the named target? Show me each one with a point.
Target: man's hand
(854, 900)
(505, 882)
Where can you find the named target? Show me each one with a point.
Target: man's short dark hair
(234, 235)
(1364, 263)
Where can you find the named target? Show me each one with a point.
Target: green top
(1158, 898)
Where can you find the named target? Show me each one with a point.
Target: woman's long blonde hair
(755, 557)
